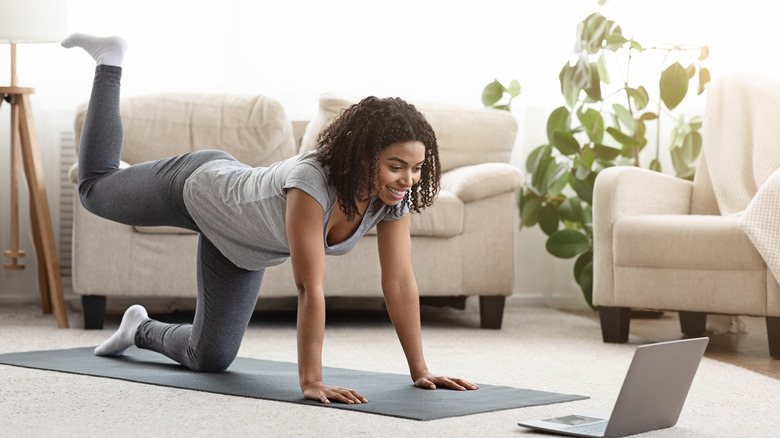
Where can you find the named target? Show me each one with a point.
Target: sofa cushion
(254, 129)
(465, 135)
(443, 219)
(684, 242)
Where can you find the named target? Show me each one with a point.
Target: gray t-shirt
(242, 209)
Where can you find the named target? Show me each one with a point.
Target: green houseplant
(604, 122)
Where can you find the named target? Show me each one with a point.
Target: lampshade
(32, 21)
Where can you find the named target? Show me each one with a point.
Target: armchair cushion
(667, 241)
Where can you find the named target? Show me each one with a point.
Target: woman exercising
(375, 163)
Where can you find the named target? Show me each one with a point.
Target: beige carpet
(538, 348)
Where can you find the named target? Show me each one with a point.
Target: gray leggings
(151, 194)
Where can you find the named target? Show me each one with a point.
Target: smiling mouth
(396, 192)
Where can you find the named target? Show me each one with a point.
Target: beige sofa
(462, 246)
(669, 244)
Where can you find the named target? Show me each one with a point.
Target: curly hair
(358, 135)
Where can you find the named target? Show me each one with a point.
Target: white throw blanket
(741, 133)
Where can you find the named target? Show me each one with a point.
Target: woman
(377, 161)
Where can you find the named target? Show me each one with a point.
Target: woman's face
(400, 167)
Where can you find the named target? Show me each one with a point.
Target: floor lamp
(21, 22)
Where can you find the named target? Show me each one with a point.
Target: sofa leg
(615, 322)
(491, 311)
(693, 324)
(773, 334)
(94, 308)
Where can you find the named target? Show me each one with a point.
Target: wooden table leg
(43, 277)
(39, 211)
(14, 253)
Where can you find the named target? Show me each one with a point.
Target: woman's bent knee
(85, 192)
(212, 363)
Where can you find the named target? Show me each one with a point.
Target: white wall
(295, 50)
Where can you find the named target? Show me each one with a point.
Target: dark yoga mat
(387, 394)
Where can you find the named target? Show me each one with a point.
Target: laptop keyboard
(590, 428)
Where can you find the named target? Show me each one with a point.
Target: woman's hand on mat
(429, 380)
(324, 393)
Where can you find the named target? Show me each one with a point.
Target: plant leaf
(586, 284)
(601, 68)
(593, 123)
(705, 52)
(555, 187)
(615, 41)
(536, 156)
(566, 244)
(622, 138)
(492, 93)
(529, 211)
(603, 152)
(624, 117)
(584, 188)
(556, 180)
(587, 218)
(695, 123)
(570, 92)
(692, 147)
(539, 178)
(594, 26)
(640, 97)
(581, 76)
(558, 120)
(594, 90)
(570, 209)
(704, 79)
(582, 261)
(548, 219)
(514, 88)
(691, 70)
(673, 85)
(564, 141)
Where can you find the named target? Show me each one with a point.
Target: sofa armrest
(480, 181)
(628, 191)
(73, 172)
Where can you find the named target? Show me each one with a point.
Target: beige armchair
(462, 246)
(669, 244)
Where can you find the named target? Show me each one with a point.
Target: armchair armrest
(470, 183)
(633, 191)
(628, 191)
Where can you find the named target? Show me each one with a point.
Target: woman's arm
(403, 302)
(305, 218)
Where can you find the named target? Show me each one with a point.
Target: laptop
(651, 398)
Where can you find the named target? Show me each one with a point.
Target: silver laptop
(652, 396)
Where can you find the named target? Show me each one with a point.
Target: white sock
(124, 337)
(104, 50)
